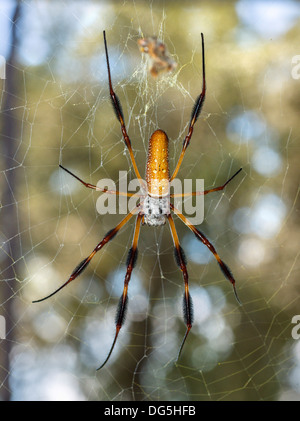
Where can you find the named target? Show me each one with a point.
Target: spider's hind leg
(188, 314)
(201, 237)
(123, 302)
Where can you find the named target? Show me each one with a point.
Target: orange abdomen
(157, 169)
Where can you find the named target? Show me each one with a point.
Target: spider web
(58, 105)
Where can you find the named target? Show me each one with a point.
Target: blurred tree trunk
(10, 143)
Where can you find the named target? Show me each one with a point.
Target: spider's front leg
(195, 114)
(119, 113)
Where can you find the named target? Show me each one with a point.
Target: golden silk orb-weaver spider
(154, 207)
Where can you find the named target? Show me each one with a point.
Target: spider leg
(122, 307)
(187, 301)
(82, 265)
(200, 193)
(92, 186)
(195, 114)
(119, 113)
(200, 236)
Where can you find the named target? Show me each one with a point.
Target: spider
(159, 58)
(154, 208)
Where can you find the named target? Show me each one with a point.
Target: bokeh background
(55, 108)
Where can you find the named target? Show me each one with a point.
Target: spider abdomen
(157, 169)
